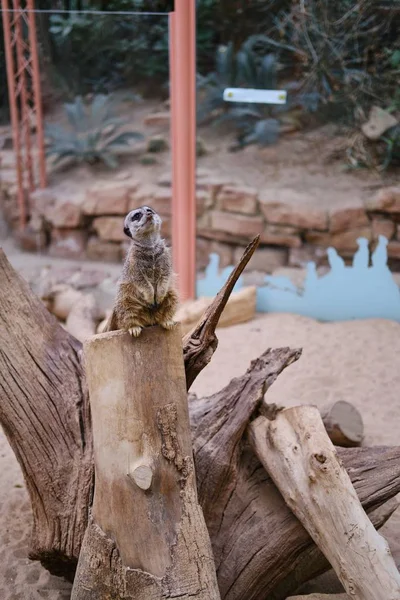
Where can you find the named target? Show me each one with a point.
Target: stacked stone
(89, 223)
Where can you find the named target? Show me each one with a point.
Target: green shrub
(94, 134)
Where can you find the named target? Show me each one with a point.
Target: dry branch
(200, 344)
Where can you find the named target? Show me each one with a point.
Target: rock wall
(88, 223)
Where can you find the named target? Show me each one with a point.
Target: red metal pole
(23, 95)
(37, 92)
(14, 110)
(183, 130)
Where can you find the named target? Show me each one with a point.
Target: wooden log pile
(280, 503)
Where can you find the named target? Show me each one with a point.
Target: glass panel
(105, 88)
(304, 172)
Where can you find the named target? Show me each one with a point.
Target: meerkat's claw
(168, 324)
(135, 331)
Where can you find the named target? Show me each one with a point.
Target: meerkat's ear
(127, 232)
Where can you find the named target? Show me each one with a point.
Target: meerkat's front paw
(135, 331)
(168, 324)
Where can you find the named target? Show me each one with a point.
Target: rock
(236, 225)
(147, 160)
(296, 276)
(103, 323)
(203, 201)
(379, 121)
(42, 200)
(345, 240)
(166, 227)
(393, 249)
(110, 229)
(303, 217)
(158, 119)
(347, 218)
(281, 235)
(212, 185)
(157, 143)
(109, 198)
(165, 180)
(382, 227)
(205, 247)
(64, 215)
(31, 240)
(264, 259)
(299, 257)
(67, 243)
(142, 197)
(162, 201)
(238, 199)
(386, 200)
(201, 147)
(82, 318)
(97, 249)
(241, 307)
(62, 300)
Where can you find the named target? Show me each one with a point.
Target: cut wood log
(343, 423)
(321, 597)
(302, 461)
(147, 537)
(241, 307)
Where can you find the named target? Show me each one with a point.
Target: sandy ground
(355, 361)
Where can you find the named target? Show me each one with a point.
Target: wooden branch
(147, 537)
(45, 414)
(303, 463)
(200, 344)
(343, 424)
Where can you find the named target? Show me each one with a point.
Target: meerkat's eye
(136, 217)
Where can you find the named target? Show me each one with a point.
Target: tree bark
(147, 537)
(44, 412)
(302, 461)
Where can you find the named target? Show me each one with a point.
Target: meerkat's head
(142, 223)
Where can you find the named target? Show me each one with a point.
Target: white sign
(255, 96)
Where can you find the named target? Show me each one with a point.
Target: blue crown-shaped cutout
(366, 289)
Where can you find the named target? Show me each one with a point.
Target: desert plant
(95, 134)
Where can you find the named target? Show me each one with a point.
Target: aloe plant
(94, 133)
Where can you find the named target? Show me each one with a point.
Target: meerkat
(146, 289)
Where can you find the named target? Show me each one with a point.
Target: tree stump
(147, 538)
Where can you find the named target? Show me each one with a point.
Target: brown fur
(146, 294)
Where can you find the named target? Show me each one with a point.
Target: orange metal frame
(23, 75)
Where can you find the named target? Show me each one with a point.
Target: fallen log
(257, 541)
(146, 537)
(297, 453)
